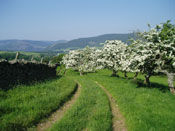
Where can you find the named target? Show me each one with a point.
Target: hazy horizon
(70, 39)
(66, 20)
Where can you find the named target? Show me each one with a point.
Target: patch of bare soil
(118, 120)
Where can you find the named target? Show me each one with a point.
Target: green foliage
(46, 59)
(168, 31)
(57, 59)
(167, 36)
(61, 70)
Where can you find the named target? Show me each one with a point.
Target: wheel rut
(58, 114)
(118, 122)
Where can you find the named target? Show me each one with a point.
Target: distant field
(10, 55)
(22, 52)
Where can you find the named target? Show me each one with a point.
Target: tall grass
(25, 106)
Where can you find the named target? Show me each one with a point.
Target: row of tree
(153, 52)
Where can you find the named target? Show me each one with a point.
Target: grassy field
(144, 108)
(90, 112)
(25, 106)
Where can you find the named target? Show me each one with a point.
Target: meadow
(143, 108)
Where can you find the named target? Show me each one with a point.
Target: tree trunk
(170, 81)
(114, 73)
(81, 73)
(125, 74)
(147, 81)
(135, 76)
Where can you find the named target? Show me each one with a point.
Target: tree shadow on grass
(140, 84)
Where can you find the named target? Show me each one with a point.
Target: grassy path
(97, 108)
(58, 114)
(118, 122)
(91, 111)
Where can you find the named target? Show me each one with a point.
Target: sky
(70, 19)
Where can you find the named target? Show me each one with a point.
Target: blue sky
(69, 19)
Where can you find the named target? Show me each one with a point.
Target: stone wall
(22, 72)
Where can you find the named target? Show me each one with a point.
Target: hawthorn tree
(167, 52)
(132, 64)
(155, 52)
(143, 59)
(112, 55)
(81, 60)
(126, 61)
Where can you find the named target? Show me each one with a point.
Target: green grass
(90, 112)
(22, 52)
(2, 52)
(145, 109)
(25, 106)
(61, 70)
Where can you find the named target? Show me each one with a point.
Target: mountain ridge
(91, 41)
(25, 45)
(61, 45)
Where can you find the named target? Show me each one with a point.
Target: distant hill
(91, 41)
(61, 45)
(26, 45)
